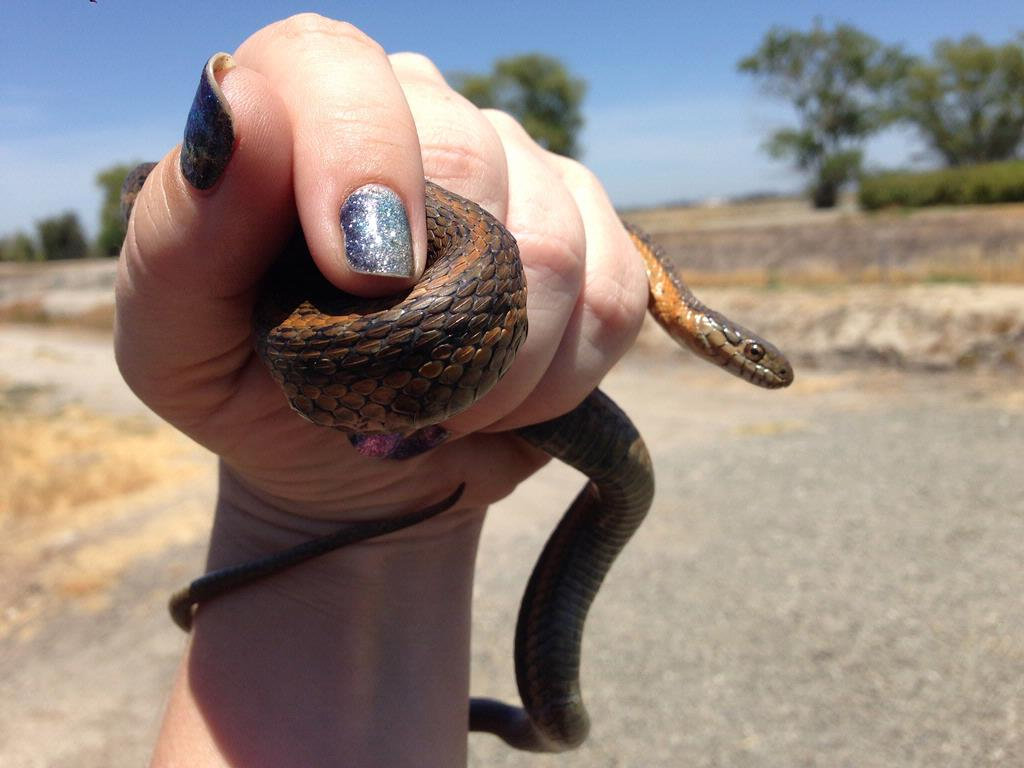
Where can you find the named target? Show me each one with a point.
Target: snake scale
(406, 363)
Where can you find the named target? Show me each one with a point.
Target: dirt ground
(830, 575)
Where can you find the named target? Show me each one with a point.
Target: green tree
(18, 247)
(60, 237)
(111, 232)
(538, 91)
(840, 83)
(967, 102)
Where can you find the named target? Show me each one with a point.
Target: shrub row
(989, 183)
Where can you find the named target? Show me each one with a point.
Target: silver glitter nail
(377, 236)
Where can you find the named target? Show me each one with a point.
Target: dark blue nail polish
(398, 447)
(209, 132)
(377, 236)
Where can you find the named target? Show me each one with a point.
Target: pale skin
(360, 657)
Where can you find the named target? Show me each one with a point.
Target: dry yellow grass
(98, 318)
(56, 463)
(68, 473)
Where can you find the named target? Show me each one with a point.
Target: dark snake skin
(380, 366)
(406, 363)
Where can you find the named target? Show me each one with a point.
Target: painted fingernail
(209, 132)
(398, 446)
(377, 236)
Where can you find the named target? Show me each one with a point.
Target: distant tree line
(966, 101)
(62, 236)
(536, 89)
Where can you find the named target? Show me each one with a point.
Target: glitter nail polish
(209, 131)
(377, 236)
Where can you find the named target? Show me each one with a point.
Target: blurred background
(831, 575)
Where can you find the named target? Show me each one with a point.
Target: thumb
(207, 221)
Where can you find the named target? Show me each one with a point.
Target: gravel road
(830, 576)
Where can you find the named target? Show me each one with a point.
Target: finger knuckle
(462, 164)
(462, 148)
(304, 26)
(504, 122)
(616, 300)
(576, 175)
(411, 63)
(551, 230)
(558, 257)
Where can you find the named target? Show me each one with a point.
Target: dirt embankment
(935, 289)
(787, 243)
(939, 289)
(73, 293)
(916, 327)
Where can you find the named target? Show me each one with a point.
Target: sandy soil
(830, 574)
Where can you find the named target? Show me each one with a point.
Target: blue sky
(83, 85)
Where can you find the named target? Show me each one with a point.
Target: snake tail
(183, 603)
(598, 439)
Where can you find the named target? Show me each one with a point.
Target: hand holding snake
(190, 283)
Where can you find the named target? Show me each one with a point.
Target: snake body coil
(385, 366)
(381, 366)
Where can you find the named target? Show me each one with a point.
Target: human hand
(320, 112)
(375, 636)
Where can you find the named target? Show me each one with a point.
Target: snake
(403, 364)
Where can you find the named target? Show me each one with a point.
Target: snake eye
(754, 351)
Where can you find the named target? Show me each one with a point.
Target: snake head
(744, 353)
(771, 368)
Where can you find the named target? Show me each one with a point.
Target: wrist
(360, 655)
(249, 525)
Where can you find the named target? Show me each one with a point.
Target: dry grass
(765, 243)
(55, 465)
(58, 461)
(33, 311)
(68, 473)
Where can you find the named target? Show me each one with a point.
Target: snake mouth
(779, 377)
